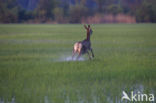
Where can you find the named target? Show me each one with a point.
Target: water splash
(69, 58)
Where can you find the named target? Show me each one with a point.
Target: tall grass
(30, 70)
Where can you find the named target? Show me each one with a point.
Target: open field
(33, 70)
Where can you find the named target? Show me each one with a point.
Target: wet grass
(30, 70)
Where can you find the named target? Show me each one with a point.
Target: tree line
(73, 11)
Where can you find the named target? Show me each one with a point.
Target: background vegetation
(76, 11)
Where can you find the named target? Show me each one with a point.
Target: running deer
(84, 46)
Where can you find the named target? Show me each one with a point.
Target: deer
(83, 47)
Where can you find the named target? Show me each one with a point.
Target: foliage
(77, 12)
(114, 9)
(146, 13)
(73, 11)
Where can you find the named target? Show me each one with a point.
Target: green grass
(30, 70)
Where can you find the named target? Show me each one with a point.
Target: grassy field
(32, 69)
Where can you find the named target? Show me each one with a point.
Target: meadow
(33, 68)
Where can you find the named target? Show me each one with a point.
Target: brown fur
(84, 46)
(80, 49)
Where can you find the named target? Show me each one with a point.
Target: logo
(138, 96)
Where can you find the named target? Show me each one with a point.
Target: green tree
(45, 8)
(146, 12)
(58, 14)
(8, 11)
(114, 9)
(77, 12)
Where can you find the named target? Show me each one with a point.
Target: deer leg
(89, 55)
(92, 52)
(73, 56)
(78, 56)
